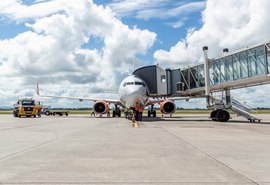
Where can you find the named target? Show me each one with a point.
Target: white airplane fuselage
(132, 91)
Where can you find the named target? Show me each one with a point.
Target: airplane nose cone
(135, 94)
(133, 91)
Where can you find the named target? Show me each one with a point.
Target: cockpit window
(132, 83)
(128, 83)
(140, 83)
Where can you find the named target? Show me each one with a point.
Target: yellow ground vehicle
(28, 108)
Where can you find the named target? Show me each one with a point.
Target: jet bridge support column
(206, 75)
(228, 98)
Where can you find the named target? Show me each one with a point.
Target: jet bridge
(243, 68)
(233, 70)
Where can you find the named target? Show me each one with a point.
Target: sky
(85, 48)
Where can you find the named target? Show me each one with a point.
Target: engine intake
(101, 107)
(167, 107)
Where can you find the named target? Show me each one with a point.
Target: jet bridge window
(163, 78)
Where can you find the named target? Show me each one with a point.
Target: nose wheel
(138, 116)
(152, 112)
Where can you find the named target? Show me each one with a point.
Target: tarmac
(185, 149)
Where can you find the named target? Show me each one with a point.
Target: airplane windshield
(28, 102)
(128, 83)
(140, 83)
(136, 83)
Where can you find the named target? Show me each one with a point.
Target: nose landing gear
(152, 112)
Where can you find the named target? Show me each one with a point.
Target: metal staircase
(235, 106)
(243, 110)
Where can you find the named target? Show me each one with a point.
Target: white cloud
(52, 52)
(129, 7)
(13, 9)
(162, 13)
(225, 24)
(157, 9)
(179, 23)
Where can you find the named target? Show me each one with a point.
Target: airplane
(133, 93)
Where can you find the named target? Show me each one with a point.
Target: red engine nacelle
(101, 107)
(167, 107)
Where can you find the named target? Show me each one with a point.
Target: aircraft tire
(213, 115)
(141, 116)
(223, 115)
(15, 114)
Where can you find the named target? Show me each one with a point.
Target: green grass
(79, 112)
(184, 111)
(5, 112)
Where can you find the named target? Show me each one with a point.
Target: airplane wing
(78, 98)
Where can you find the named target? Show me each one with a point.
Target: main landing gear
(152, 112)
(220, 115)
(116, 111)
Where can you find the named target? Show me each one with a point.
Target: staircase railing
(243, 110)
(239, 108)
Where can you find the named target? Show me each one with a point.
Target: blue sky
(169, 29)
(80, 48)
(167, 33)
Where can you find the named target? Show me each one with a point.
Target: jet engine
(101, 107)
(167, 107)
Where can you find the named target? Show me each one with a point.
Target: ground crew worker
(140, 112)
(126, 112)
(137, 106)
(141, 108)
(93, 114)
(137, 109)
(108, 113)
(39, 113)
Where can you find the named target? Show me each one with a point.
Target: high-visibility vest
(137, 107)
